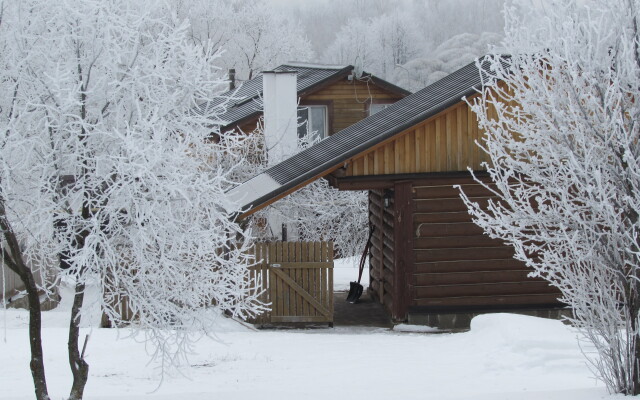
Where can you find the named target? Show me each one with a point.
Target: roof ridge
(300, 64)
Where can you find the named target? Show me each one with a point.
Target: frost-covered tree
(108, 177)
(319, 212)
(451, 55)
(565, 159)
(313, 213)
(255, 35)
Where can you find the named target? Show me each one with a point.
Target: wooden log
(449, 229)
(460, 216)
(449, 191)
(461, 278)
(470, 266)
(446, 242)
(471, 253)
(447, 205)
(543, 299)
(484, 289)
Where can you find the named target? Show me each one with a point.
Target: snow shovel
(355, 289)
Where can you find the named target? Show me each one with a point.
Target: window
(374, 108)
(312, 122)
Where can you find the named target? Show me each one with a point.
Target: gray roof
(245, 101)
(361, 136)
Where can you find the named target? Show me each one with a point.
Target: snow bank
(502, 357)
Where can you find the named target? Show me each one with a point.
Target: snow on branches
(106, 173)
(562, 135)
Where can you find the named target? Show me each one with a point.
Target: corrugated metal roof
(370, 131)
(245, 101)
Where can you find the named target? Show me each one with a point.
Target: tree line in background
(410, 43)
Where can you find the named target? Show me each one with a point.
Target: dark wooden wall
(428, 255)
(381, 267)
(457, 266)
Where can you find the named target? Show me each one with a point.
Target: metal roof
(246, 100)
(343, 145)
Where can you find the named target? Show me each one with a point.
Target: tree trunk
(12, 257)
(79, 367)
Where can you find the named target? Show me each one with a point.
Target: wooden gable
(446, 142)
(347, 101)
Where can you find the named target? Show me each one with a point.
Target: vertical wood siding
(444, 142)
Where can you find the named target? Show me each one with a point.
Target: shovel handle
(364, 254)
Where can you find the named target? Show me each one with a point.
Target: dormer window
(312, 122)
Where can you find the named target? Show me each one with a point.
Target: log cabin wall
(437, 259)
(457, 267)
(381, 270)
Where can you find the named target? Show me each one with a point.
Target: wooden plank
(471, 253)
(378, 161)
(463, 137)
(430, 137)
(478, 152)
(465, 278)
(498, 300)
(419, 149)
(284, 288)
(304, 265)
(449, 229)
(471, 121)
(448, 191)
(456, 131)
(398, 148)
(449, 205)
(438, 145)
(447, 242)
(409, 153)
(300, 291)
(330, 283)
(461, 216)
(365, 168)
(484, 289)
(470, 265)
(388, 160)
(300, 275)
(451, 140)
(308, 318)
(282, 254)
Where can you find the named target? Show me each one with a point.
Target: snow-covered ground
(502, 357)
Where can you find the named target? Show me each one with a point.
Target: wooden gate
(297, 279)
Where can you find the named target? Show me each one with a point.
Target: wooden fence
(297, 279)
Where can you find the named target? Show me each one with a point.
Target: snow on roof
(253, 189)
(314, 65)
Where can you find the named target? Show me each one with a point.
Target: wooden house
(429, 262)
(331, 98)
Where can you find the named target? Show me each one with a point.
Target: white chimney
(280, 98)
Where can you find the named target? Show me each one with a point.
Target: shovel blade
(355, 291)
